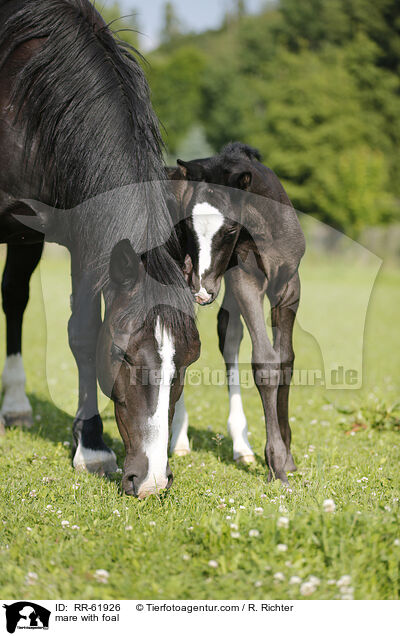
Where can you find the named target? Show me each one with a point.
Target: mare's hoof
(18, 420)
(245, 460)
(95, 462)
(181, 452)
(2, 427)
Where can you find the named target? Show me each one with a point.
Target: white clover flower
(258, 510)
(231, 500)
(282, 510)
(307, 588)
(234, 526)
(31, 578)
(279, 577)
(128, 528)
(396, 542)
(152, 523)
(116, 513)
(294, 580)
(186, 557)
(329, 505)
(101, 576)
(314, 580)
(235, 535)
(283, 522)
(344, 581)
(282, 547)
(242, 507)
(76, 486)
(257, 583)
(49, 507)
(75, 527)
(213, 564)
(331, 582)
(66, 443)
(28, 529)
(228, 517)
(65, 523)
(254, 533)
(33, 493)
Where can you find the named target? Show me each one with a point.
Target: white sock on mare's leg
(179, 439)
(16, 408)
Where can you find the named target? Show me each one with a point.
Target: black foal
(257, 244)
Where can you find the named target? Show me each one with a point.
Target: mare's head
(147, 340)
(211, 208)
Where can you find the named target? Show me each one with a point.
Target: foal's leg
(283, 316)
(20, 264)
(249, 291)
(179, 444)
(90, 451)
(230, 333)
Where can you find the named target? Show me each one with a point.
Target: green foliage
(176, 95)
(313, 85)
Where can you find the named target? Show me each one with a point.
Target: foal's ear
(242, 181)
(124, 264)
(191, 170)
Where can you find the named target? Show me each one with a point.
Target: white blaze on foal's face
(155, 444)
(207, 220)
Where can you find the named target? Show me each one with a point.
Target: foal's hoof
(290, 466)
(245, 460)
(98, 462)
(181, 452)
(18, 420)
(281, 476)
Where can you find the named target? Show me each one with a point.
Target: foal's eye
(210, 190)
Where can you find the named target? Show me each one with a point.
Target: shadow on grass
(222, 448)
(55, 425)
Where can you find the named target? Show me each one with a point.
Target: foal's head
(144, 349)
(212, 212)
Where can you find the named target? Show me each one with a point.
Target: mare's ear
(187, 268)
(124, 264)
(191, 170)
(242, 180)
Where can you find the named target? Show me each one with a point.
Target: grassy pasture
(222, 531)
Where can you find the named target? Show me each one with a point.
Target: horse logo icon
(26, 615)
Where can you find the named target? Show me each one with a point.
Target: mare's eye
(117, 354)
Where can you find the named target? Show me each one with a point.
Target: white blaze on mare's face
(156, 441)
(207, 220)
(13, 379)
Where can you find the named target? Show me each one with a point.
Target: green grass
(161, 547)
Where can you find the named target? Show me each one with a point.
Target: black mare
(76, 125)
(257, 246)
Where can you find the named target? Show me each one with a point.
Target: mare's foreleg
(90, 451)
(20, 264)
(179, 444)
